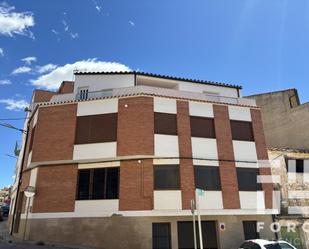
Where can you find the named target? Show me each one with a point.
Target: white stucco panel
(94, 151)
(239, 113)
(252, 200)
(96, 207)
(211, 200)
(167, 199)
(204, 148)
(165, 105)
(97, 107)
(245, 151)
(201, 109)
(166, 145)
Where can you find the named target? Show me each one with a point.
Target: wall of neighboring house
(285, 120)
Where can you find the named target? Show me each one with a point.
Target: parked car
(5, 210)
(1, 219)
(266, 244)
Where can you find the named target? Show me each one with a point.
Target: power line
(8, 119)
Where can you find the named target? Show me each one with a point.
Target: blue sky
(262, 45)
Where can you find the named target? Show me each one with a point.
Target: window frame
(237, 138)
(91, 184)
(196, 132)
(218, 186)
(155, 188)
(258, 186)
(168, 128)
(88, 124)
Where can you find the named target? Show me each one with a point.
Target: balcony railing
(158, 92)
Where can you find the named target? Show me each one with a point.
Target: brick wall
(42, 96)
(55, 189)
(228, 174)
(262, 154)
(185, 150)
(55, 133)
(135, 136)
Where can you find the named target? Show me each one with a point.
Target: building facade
(115, 159)
(286, 123)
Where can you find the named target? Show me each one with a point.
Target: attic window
(83, 93)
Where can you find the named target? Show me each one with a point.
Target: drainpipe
(19, 178)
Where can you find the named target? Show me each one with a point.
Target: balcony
(156, 91)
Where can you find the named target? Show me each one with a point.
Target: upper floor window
(165, 123)
(101, 183)
(248, 179)
(299, 165)
(166, 177)
(207, 177)
(96, 128)
(83, 93)
(242, 130)
(202, 127)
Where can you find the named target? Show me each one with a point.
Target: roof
(163, 77)
(274, 92)
(291, 150)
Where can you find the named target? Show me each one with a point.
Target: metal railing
(156, 91)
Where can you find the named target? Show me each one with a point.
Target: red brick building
(115, 159)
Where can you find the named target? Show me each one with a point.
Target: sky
(262, 45)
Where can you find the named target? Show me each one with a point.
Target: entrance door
(161, 236)
(186, 238)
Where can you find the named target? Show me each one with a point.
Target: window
(96, 128)
(166, 177)
(242, 130)
(207, 177)
(285, 245)
(247, 179)
(202, 127)
(165, 123)
(161, 236)
(299, 166)
(83, 93)
(250, 230)
(250, 245)
(31, 139)
(96, 184)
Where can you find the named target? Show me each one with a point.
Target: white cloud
(74, 35)
(132, 23)
(98, 8)
(14, 105)
(20, 70)
(52, 80)
(15, 23)
(65, 25)
(29, 60)
(1, 52)
(5, 82)
(55, 32)
(46, 68)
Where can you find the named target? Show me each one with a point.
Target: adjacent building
(286, 123)
(115, 159)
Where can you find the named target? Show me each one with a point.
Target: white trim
(164, 105)
(150, 213)
(98, 165)
(165, 161)
(204, 162)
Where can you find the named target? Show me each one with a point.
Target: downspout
(20, 176)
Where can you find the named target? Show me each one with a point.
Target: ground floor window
(186, 237)
(100, 183)
(161, 236)
(250, 230)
